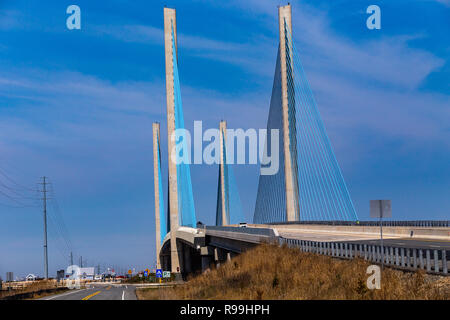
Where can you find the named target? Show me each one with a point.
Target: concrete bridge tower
(170, 28)
(287, 96)
(158, 193)
(223, 198)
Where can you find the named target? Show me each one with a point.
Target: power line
(59, 221)
(59, 217)
(3, 173)
(15, 200)
(20, 196)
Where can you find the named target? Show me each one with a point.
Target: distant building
(30, 277)
(87, 273)
(60, 274)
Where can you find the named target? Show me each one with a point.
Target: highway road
(98, 292)
(410, 243)
(368, 239)
(335, 236)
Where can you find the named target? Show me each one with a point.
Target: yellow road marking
(91, 295)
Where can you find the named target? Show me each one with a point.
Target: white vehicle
(98, 277)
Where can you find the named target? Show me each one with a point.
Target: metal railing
(386, 223)
(431, 260)
(257, 231)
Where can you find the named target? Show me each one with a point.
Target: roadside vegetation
(32, 290)
(271, 272)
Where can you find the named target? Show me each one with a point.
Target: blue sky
(77, 106)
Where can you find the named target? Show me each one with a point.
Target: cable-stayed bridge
(306, 203)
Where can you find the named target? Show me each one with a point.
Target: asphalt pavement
(98, 292)
(409, 243)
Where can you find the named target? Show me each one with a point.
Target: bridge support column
(206, 263)
(290, 159)
(186, 265)
(207, 254)
(216, 257)
(222, 218)
(158, 195)
(220, 256)
(169, 25)
(164, 261)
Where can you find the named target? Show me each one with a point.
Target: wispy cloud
(388, 60)
(444, 2)
(248, 56)
(10, 19)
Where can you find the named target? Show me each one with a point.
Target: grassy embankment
(271, 272)
(32, 290)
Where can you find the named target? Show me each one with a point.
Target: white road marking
(64, 294)
(123, 295)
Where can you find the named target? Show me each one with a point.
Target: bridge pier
(207, 254)
(164, 261)
(185, 259)
(221, 256)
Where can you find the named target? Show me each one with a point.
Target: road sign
(166, 274)
(145, 273)
(130, 272)
(380, 209)
(159, 273)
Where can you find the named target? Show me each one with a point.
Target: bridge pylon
(181, 210)
(222, 211)
(160, 221)
(289, 132)
(170, 44)
(309, 184)
(229, 206)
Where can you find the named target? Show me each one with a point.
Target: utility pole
(44, 190)
(381, 234)
(71, 258)
(81, 261)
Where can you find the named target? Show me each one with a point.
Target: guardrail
(431, 260)
(257, 231)
(386, 223)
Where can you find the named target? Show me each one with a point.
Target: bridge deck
(411, 237)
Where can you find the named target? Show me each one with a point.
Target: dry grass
(33, 290)
(271, 272)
